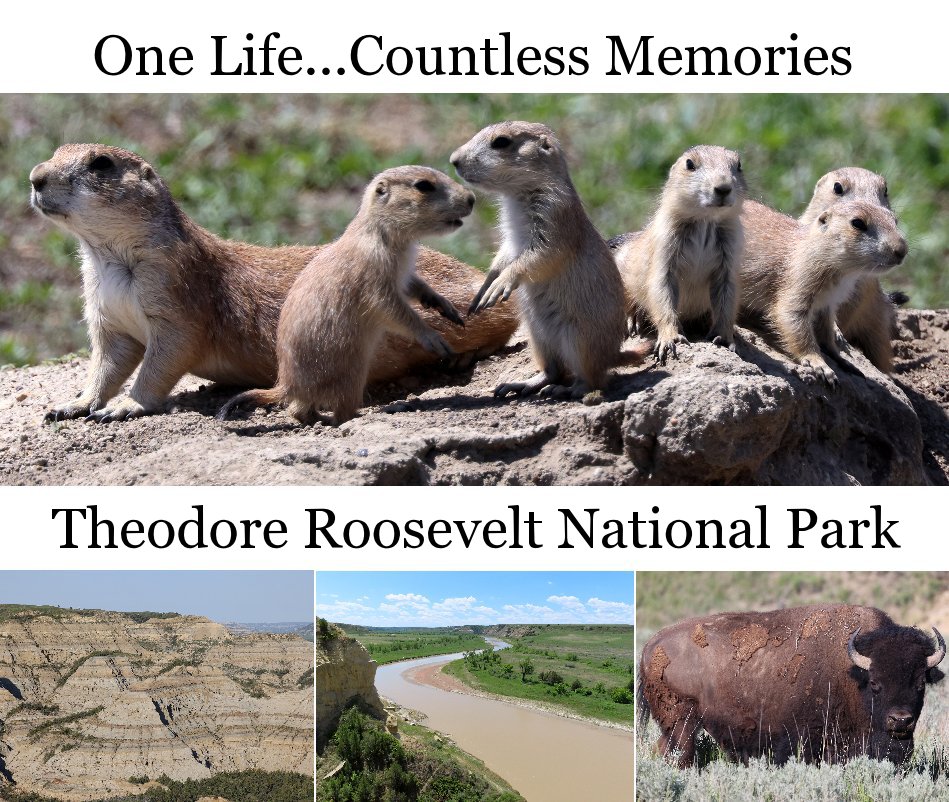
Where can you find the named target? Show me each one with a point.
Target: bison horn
(859, 660)
(935, 659)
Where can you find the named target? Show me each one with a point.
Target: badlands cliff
(90, 699)
(345, 676)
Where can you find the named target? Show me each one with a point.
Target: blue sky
(423, 598)
(223, 596)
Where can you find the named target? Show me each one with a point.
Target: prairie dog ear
(382, 187)
(147, 173)
(824, 217)
(545, 144)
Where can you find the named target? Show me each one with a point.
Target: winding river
(547, 758)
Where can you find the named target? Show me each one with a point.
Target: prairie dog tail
(639, 353)
(259, 398)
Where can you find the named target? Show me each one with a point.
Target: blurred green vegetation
(284, 168)
(663, 598)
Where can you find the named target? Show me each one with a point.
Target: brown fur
(164, 292)
(867, 319)
(568, 285)
(684, 264)
(356, 289)
(784, 683)
(811, 269)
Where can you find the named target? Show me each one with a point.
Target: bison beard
(822, 683)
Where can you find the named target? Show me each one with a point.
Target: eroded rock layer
(91, 699)
(345, 675)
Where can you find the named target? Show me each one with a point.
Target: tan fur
(550, 253)
(814, 268)
(867, 318)
(684, 265)
(163, 291)
(356, 289)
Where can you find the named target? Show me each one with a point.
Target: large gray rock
(709, 417)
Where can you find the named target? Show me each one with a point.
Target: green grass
(290, 168)
(390, 645)
(587, 670)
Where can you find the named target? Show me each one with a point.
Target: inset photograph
(160, 686)
(790, 686)
(496, 687)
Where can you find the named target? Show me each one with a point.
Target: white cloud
(415, 609)
(406, 597)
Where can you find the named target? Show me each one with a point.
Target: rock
(710, 417)
(392, 724)
(344, 675)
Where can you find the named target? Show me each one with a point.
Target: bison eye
(875, 686)
(689, 164)
(838, 188)
(100, 164)
(424, 185)
(501, 142)
(859, 224)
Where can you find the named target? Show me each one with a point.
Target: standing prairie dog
(569, 289)
(684, 264)
(813, 268)
(356, 289)
(867, 317)
(164, 292)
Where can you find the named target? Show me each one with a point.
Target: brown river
(547, 758)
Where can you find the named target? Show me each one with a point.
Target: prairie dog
(867, 318)
(814, 268)
(356, 289)
(684, 264)
(164, 292)
(568, 286)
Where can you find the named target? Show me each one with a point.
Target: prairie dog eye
(838, 188)
(859, 224)
(689, 164)
(100, 164)
(500, 142)
(424, 185)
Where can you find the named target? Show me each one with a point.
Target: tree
(527, 667)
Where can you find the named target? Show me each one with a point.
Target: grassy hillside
(27, 611)
(911, 598)
(587, 670)
(290, 168)
(390, 645)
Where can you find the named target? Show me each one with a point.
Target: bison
(823, 683)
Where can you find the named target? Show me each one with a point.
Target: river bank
(433, 676)
(546, 756)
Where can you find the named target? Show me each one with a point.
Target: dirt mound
(712, 417)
